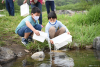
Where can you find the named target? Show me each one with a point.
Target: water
(71, 58)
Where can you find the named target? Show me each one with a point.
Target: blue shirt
(57, 26)
(23, 23)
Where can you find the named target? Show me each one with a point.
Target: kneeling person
(29, 25)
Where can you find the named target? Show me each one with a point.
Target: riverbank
(84, 27)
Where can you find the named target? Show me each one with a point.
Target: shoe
(41, 25)
(24, 41)
(29, 39)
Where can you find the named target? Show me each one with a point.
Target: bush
(92, 17)
(16, 7)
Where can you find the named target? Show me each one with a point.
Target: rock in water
(96, 43)
(38, 56)
(6, 55)
(0, 66)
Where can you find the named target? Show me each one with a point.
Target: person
(29, 25)
(39, 5)
(50, 3)
(9, 6)
(54, 27)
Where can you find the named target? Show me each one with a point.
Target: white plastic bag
(24, 9)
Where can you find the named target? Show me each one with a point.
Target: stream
(69, 58)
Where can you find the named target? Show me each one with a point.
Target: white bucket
(24, 9)
(40, 38)
(62, 40)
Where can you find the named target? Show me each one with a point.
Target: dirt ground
(15, 45)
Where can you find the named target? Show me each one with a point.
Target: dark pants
(26, 29)
(48, 5)
(39, 5)
(10, 7)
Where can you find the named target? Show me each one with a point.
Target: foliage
(2, 6)
(93, 16)
(16, 7)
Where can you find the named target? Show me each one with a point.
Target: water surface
(70, 58)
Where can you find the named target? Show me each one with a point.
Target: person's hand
(2, 2)
(43, 2)
(68, 32)
(51, 41)
(37, 32)
(24, 2)
(13, 0)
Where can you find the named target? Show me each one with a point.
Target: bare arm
(32, 28)
(2, 1)
(43, 1)
(24, 1)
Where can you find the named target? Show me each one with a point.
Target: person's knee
(52, 28)
(38, 27)
(62, 29)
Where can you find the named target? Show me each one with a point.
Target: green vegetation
(83, 27)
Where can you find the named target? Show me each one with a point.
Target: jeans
(39, 5)
(25, 29)
(48, 5)
(10, 7)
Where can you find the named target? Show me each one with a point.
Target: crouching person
(54, 27)
(29, 25)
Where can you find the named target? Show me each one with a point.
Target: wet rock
(62, 60)
(19, 54)
(96, 43)
(44, 65)
(70, 12)
(97, 54)
(39, 56)
(89, 47)
(0, 66)
(6, 55)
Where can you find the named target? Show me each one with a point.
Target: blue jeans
(26, 29)
(10, 7)
(48, 5)
(39, 5)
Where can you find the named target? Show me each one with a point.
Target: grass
(83, 27)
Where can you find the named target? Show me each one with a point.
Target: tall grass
(85, 27)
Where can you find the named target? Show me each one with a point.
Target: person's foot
(24, 41)
(41, 25)
(29, 39)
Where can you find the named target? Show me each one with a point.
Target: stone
(2, 15)
(19, 54)
(96, 43)
(6, 55)
(0, 66)
(39, 56)
(60, 58)
(89, 47)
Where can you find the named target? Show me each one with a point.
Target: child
(54, 27)
(29, 25)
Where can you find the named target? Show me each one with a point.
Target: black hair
(35, 10)
(52, 14)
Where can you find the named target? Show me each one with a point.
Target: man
(9, 6)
